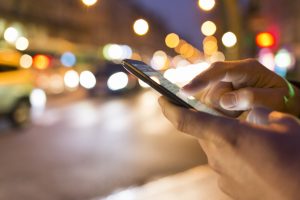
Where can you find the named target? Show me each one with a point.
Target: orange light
(210, 45)
(41, 61)
(172, 40)
(265, 40)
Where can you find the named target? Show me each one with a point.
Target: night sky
(183, 17)
(180, 16)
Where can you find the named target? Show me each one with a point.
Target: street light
(11, 34)
(265, 40)
(229, 39)
(22, 43)
(206, 5)
(172, 40)
(89, 2)
(208, 28)
(140, 27)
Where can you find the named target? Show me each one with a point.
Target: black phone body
(146, 73)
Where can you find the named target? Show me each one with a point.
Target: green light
(291, 93)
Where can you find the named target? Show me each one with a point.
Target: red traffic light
(265, 40)
(41, 61)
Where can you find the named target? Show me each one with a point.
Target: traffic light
(41, 61)
(265, 40)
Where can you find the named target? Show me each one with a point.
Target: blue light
(68, 59)
(281, 71)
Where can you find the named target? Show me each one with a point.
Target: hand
(255, 159)
(242, 85)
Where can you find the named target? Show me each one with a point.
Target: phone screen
(155, 79)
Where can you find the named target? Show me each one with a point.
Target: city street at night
(90, 148)
(81, 116)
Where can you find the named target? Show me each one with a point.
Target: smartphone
(166, 88)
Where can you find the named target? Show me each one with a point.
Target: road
(92, 147)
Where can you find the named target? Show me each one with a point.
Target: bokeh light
(89, 2)
(68, 59)
(117, 52)
(172, 40)
(22, 43)
(71, 79)
(267, 58)
(284, 59)
(117, 81)
(26, 61)
(11, 34)
(210, 45)
(208, 28)
(56, 84)
(143, 84)
(155, 79)
(185, 74)
(140, 27)
(265, 40)
(159, 60)
(126, 51)
(216, 57)
(170, 75)
(229, 39)
(206, 5)
(41, 61)
(38, 98)
(186, 50)
(87, 79)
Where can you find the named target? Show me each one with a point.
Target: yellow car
(15, 89)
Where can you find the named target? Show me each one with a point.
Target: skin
(257, 157)
(237, 86)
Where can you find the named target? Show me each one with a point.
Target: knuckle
(180, 124)
(231, 138)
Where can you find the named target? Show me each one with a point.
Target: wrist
(292, 100)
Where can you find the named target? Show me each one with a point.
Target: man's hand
(242, 85)
(258, 159)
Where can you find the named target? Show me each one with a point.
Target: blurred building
(280, 19)
(57, 25)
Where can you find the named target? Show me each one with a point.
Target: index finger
(202, 125)
(220, 71)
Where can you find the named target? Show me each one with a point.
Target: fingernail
(228, 100)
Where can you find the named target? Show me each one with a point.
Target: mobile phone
(158, 82)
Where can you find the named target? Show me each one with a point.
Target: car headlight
(117, 81)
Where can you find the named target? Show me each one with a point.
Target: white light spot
(229, 39)
(71, 79)
(117, 81)
(87, 79)
(38, 98)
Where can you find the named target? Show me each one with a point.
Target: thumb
(247, 98)
(202, 125)
(259, 116)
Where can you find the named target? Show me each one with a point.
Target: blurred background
(75, 125)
